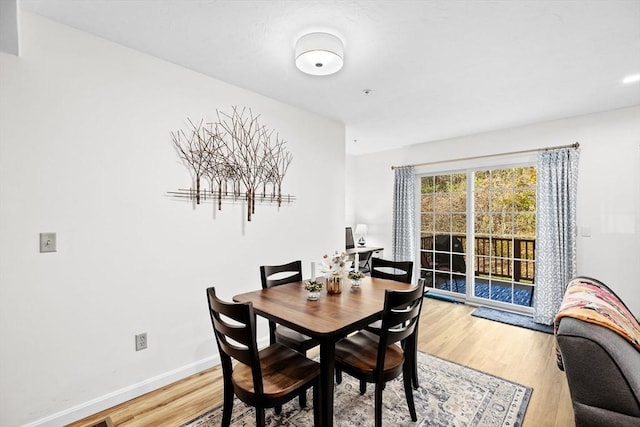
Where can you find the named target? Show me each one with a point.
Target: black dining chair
(377, 358)
(275, 275)
(263, 379)
(400, 271)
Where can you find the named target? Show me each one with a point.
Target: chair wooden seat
(294, 339)
(283, 372)
(360, 351)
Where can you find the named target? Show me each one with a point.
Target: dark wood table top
(329, 315)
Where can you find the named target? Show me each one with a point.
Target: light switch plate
(47, 242)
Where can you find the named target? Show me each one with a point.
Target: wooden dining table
(328, 319)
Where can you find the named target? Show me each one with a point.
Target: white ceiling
(437, 69)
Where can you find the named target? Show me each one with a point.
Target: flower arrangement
(312, 286)
(335, 265)
(356, 275)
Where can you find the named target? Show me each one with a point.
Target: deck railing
(512, 259)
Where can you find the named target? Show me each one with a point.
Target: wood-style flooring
(447, 330)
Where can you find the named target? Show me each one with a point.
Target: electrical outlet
(141, 341)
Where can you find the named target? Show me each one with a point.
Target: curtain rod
(574, 145)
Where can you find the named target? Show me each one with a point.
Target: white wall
(351, 191)
(608, 188)
(85, 152)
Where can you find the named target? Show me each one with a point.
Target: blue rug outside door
(514, 319)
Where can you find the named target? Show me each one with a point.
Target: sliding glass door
(477, 235)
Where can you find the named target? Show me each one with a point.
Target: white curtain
(404, 211)
(556, 230)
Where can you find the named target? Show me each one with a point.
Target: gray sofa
(603, 373)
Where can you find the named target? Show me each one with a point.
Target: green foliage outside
(504, 218)
(505, 203)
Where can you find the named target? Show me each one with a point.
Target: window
(477, 234)
(443, 222)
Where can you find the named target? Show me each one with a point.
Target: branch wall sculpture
(240, 159)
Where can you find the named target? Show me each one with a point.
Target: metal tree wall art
(239, 159)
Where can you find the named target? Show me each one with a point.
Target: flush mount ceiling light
(319, 54)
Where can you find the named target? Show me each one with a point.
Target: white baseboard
(116, 397)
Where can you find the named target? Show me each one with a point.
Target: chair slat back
(400, 316)
(402, 270)
(267, 271)
(235, 331)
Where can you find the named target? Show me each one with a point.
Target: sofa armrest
(603, 369)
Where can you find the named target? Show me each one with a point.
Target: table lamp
(361, 230)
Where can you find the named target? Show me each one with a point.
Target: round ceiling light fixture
(319, 54)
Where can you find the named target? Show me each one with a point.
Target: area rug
(511, 319)
(449, 395)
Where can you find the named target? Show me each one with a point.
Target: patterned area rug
(449, 395)
(511, 319)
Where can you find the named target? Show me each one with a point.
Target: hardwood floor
(446, 330)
